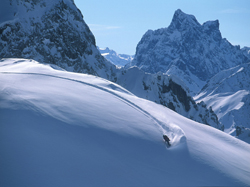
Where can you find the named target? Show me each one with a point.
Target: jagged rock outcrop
(187, 49)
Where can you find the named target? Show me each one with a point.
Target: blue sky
(120, 25)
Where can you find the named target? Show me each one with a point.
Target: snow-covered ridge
(228, 93)
(56, 123)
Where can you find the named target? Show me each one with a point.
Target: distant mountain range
(119, 60)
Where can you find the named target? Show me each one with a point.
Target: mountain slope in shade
(67, 129)
(119, 60)
(187, 49)
(228, 93)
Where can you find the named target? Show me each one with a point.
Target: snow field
(59, 129)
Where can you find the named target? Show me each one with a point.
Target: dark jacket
(166, 138)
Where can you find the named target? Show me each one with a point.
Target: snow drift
(67, 129)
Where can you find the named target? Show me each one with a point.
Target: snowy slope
(119, 60)
(228, 93)
(192, 51)
(66, 129)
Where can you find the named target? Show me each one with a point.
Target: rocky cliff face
(51, 31)
(187, 49)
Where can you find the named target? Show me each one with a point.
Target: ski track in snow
(175, 133)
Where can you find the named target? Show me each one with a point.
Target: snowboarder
(165, 137)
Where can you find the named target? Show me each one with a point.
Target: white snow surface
(59, 128)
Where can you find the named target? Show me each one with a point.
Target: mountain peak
(179, 12)
(181, 20)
